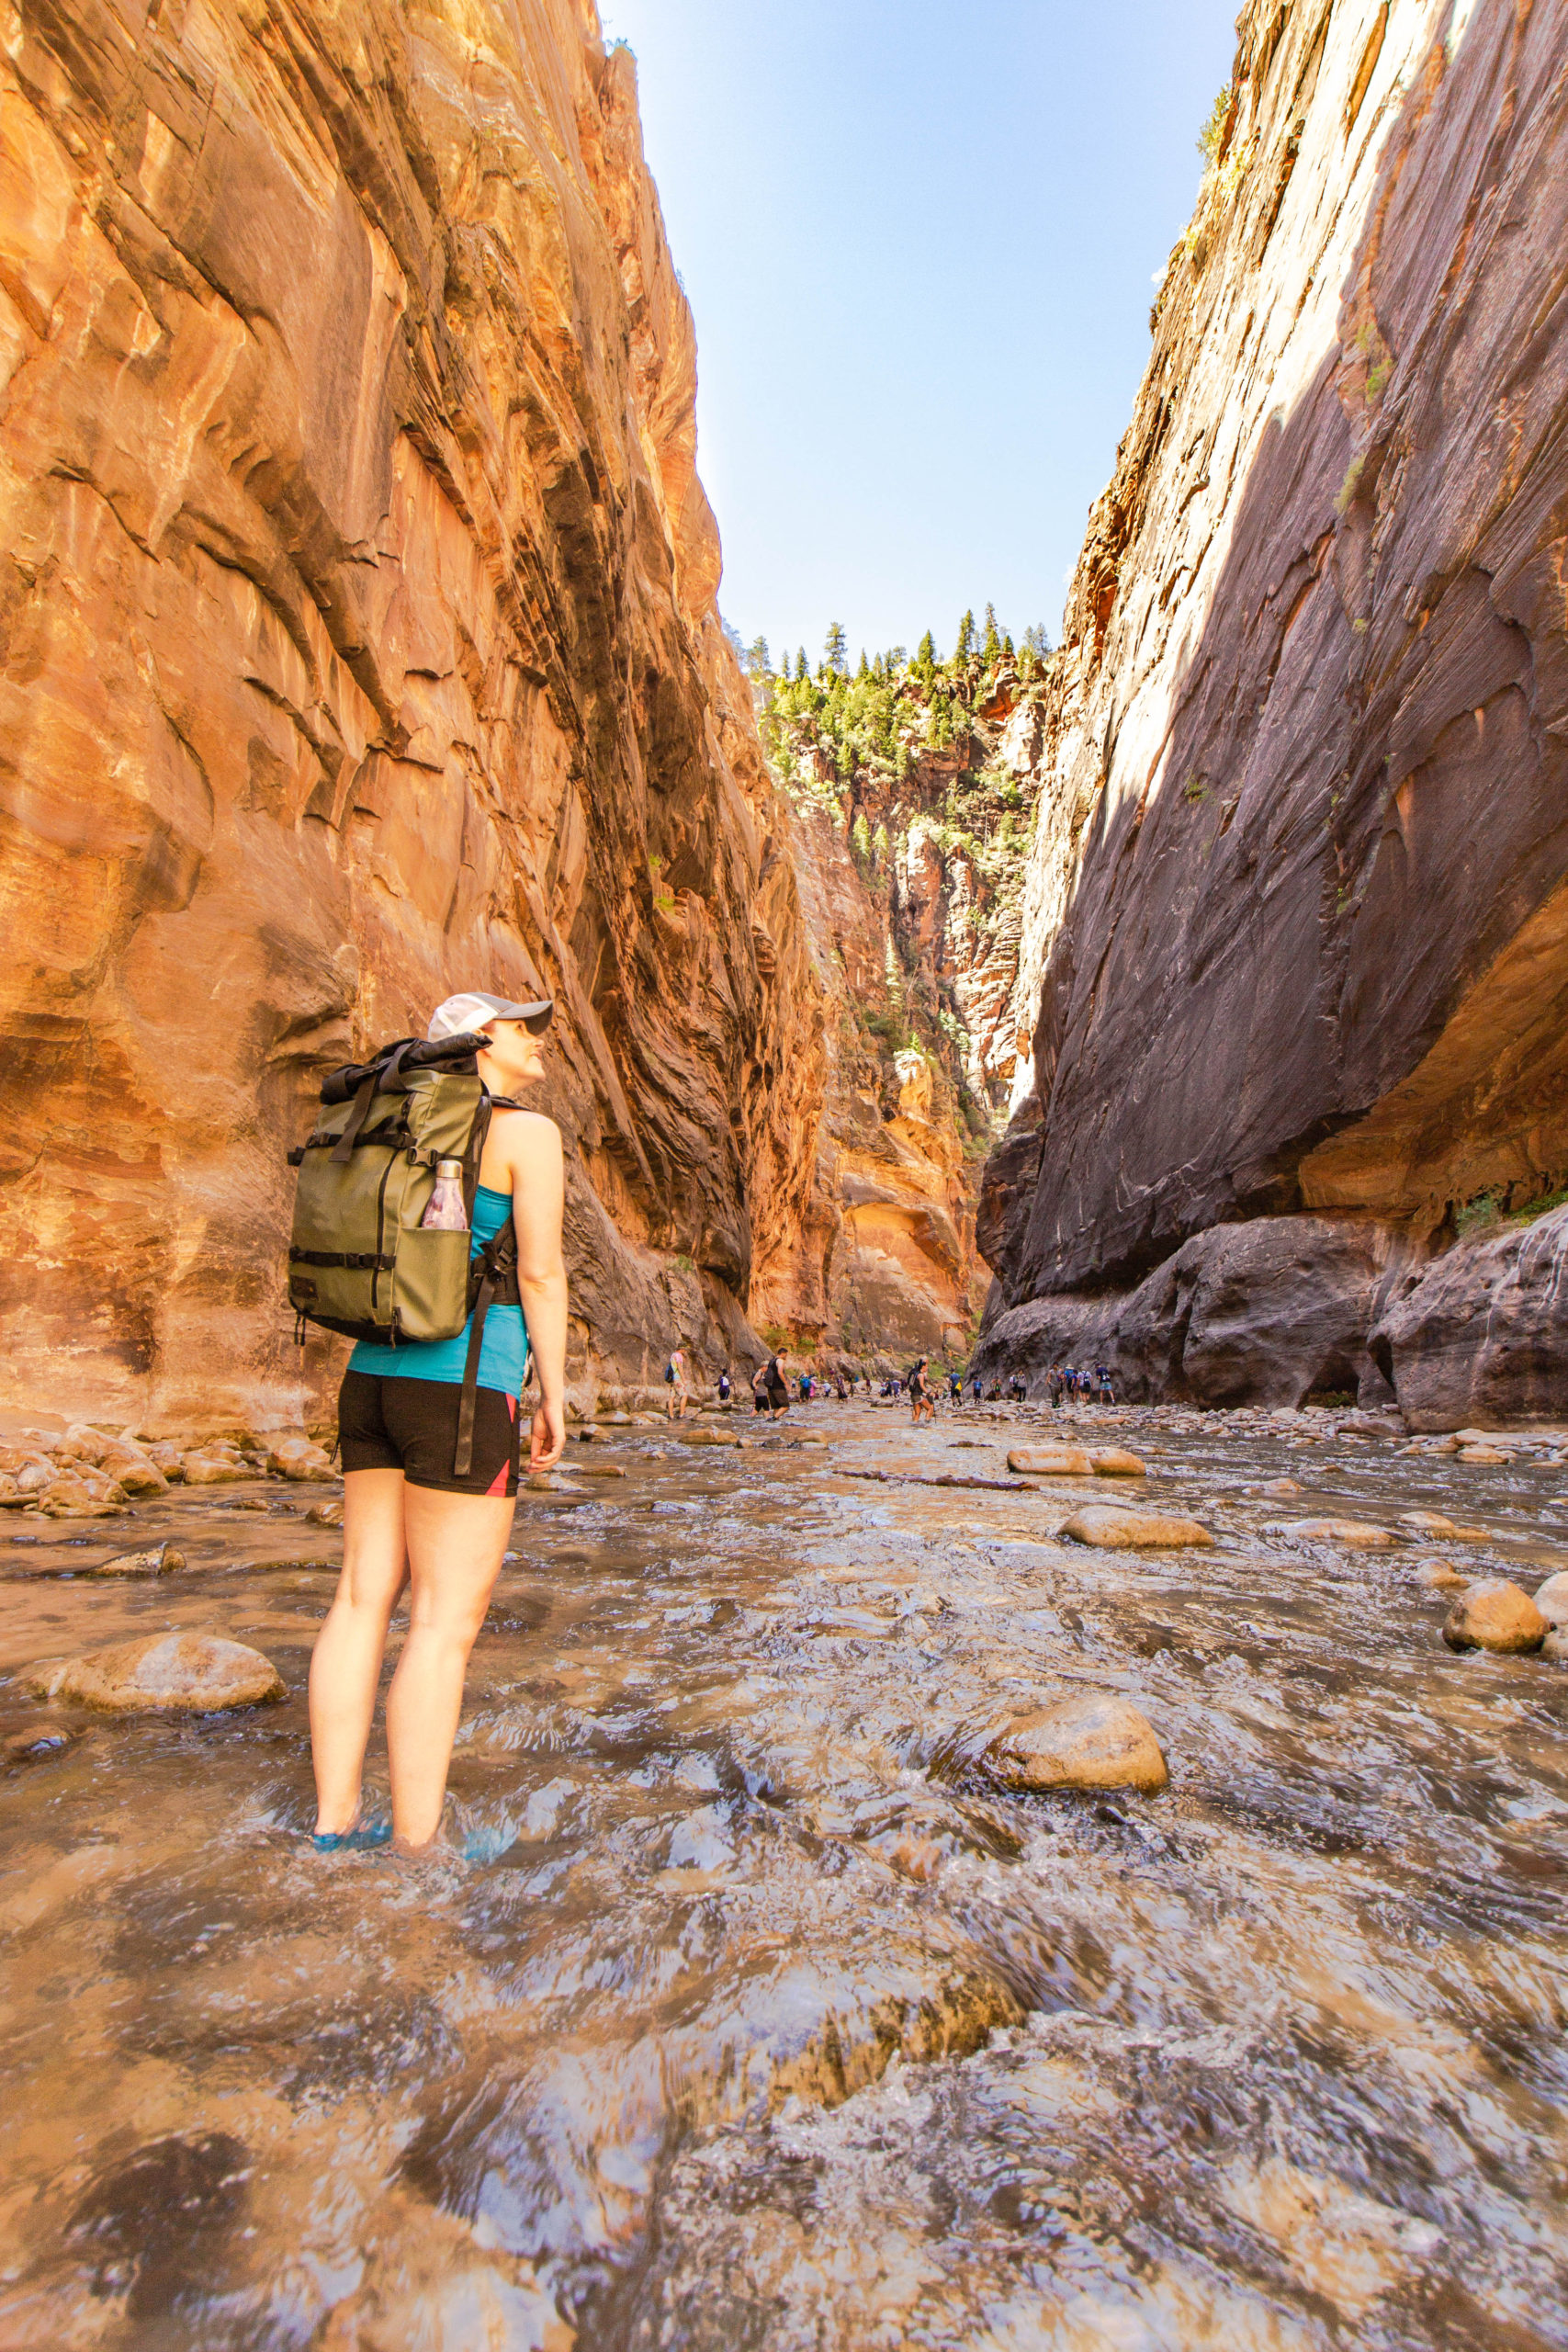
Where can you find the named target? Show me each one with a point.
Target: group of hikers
(771, 1387)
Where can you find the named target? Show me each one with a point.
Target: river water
(731, 2018)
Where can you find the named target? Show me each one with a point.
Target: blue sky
(918, 237)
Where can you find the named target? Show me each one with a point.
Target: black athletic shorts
(411, 1426)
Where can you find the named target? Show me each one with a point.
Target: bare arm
(538, 1191)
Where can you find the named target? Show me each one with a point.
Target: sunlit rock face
(1298, 908)
(886, 1259)
(358, 644)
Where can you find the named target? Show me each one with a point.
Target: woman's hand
(547, 1440)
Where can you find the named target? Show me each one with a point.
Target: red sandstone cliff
(1298, 914)
(357, 642)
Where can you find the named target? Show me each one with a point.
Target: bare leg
(345, 1665)
(455, 1543)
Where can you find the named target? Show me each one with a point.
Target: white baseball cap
(456, 1016)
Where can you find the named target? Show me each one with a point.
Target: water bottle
(444, 1211)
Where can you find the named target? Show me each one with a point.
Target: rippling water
(732, 2026)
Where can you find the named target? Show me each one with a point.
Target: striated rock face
(1298, 912)
(358, 643)
(916, 948)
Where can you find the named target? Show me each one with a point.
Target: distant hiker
(1053, 1386)
(1016, 1389)
(804, 1384)
(1103, 1390)
(922, 1404)
(954, 1390)
(773, 1390)
(676, 1396)
(429, 1429)
(975, 1384)
(724, 1386)
(760, 1389)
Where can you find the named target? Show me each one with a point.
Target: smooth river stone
(1112, 1530)
(1551, 1600)
(196, 1674)
(1349, 1535)
(1093, 1740)
(599, 1469)
(300, 1458)
(1050, 1461)
(1495, 1615)
(1115, 1462)
(702, 1436)
(1441, 1576)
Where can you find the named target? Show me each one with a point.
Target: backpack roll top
(359, 1260)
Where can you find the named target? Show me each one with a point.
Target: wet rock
(599, 1470)
(1109, 1529)
(1441, 1576)
(299, 1458)
(1556, 1643)
(1050, 1461)
(689, 1436)
(1093, 1740)
(1115, 1462)
(1487, 1456)
(1495, 1615)
(212, 1469)
(326, 1514)
(1348, 1534)
(1276, 1486)
(31, 1743)
(198, 1674)
(73, 1498)
(1427, 1523)
(1551, 1600)
(159, 1560)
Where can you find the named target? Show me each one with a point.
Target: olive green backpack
(359, 1260)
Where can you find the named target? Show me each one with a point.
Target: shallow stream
(732, 2018)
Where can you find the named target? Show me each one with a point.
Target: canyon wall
(358, 644)
(1297, 915)
(910, 877)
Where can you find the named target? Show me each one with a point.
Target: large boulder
(1267, 1313)
(1480, 1334)
(194, 1674)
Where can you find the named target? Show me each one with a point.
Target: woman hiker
(406, 1519)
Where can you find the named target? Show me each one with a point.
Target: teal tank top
(504, 1354)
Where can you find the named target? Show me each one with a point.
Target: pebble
(1111, 1530)
(326, 1514)
(1050, 1461)
(1350, 1534)
(1115, 1462)
(159, 1560)
(1495, 1615)
(196, 1674)
(1092, 1740)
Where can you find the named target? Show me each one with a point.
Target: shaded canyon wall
(1298, 910)
(358, 643)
